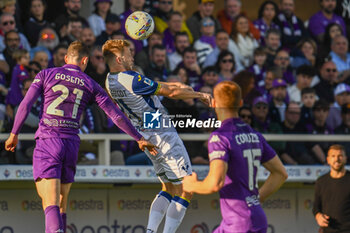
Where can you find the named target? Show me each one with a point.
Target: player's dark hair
(78, 50)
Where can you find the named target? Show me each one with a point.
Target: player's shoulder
(324, 178)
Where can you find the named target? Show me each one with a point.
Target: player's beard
(128, 65)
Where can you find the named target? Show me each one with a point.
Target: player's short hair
(19, 53)
(112, 47)
(336, 147)
(77, 50)
(228, 94)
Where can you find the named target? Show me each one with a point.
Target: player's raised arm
(178, 92)
(276, 178)
(23, 111)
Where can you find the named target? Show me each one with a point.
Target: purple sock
(53, 221)
(64, 221)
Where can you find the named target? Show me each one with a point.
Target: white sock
(157, 211)
(175, 214)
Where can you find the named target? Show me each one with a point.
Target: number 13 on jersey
(52, 108)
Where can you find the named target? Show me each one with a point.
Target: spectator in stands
(293, 29)
(226, 65)
(87, 37)
(342, 10)
(209, 78)
(19, 74)
(319, 21)
(272, 44)
(12, 43)
(157, 70)
(263, 124)
(205, 9)
(73, 32)
(245, 113)
(344, 128)
(278, 103)
(3, 94)
(245, 80)
(328, 81)
(295, 152)
(341, 56)
(9, 7)
(272, 73)
(96, 67)
(142, 58)
(8, 23)
(58, 56)
(318, 125)
(33, 69)
(191, 66)
(181, 43)
(305, 53)
(36, 22)
(206, 43)
(341, 96)
(181, 72)
(205, 112)
(332, 30)
(332, 192)
(48, 40)
(112, 25)
(308, 99)
(243, 40)
(228, 15)
(282, 60)
(266, 18)
(259, 68)
(98, 17)
(175, 22)
(305, 74)
(162, 18)
(135, 5)
(72, 11)
(42, 58)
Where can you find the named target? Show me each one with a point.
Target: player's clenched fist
(188, 181)
(11, 142)
(322, 220)
(144, 144)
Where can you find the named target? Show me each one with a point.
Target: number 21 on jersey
(251, 156)
(52, 108)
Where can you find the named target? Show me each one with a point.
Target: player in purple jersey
(236, 152)
(66, 91)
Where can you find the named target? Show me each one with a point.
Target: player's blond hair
(113, 47)
(77, 50)
(228, 94)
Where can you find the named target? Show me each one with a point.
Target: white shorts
(172, 162)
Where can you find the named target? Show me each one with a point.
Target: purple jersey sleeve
(27, 103)
(267, 151)
(114, 113)
(218, 147)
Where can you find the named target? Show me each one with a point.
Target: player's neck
(337, 174)
(116, 69)
(224, 114)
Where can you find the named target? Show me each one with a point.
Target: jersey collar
(70, 66)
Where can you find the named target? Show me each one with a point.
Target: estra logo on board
(86, 205)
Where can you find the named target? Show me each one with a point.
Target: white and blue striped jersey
(134, 94)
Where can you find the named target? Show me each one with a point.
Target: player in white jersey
(137, 95)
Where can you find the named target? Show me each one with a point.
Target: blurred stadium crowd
(294, 74)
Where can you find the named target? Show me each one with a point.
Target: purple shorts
(55, 158)
(220, 230)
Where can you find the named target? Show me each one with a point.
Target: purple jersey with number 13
(243, 149)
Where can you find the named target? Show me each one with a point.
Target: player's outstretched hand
(188, 181)
(144, 144)
(206, 98)
(11, 142)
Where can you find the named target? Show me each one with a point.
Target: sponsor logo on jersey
(214, 138)
(216, 154)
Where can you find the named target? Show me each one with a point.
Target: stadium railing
(145, 174)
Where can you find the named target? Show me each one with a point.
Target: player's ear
(84, 60)
(66, 59)
(213, 103)
(118, 59)
(241, 103)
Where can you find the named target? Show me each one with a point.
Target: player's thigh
(49, 191)
(178, 191)
(65, 189)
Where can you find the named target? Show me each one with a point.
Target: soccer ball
(139, 25)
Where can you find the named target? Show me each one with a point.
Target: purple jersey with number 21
(243, 149)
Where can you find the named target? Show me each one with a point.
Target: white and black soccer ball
(139, 25)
